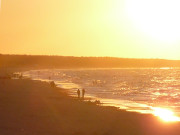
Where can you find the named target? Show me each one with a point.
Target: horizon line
(88, 56)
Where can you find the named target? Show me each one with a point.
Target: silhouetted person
(52, 84)
(21, 76)
(83, 92)
(78, 93)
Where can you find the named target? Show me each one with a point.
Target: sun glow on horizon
(165, 115)
(117, 28)
(157, 18)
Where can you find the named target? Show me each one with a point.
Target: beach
(89, 67)
(30, 107)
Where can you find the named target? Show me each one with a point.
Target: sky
(115, 28)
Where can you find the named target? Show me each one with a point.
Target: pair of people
(83, 93)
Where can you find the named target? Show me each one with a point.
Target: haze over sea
(138, 90)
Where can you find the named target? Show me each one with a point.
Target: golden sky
(117, 28)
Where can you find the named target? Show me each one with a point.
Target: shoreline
(130, 105)
(33, 107)
(122, 104)
(103, 101)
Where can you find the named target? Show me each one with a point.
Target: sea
(140, 90)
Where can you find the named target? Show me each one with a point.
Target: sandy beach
(34, 108)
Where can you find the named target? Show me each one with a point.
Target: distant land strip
(43, 61)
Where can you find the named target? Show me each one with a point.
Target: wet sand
(30, 107)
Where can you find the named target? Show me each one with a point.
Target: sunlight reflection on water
(137, 90)
(165, 114)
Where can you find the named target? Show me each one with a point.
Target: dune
(30, 107)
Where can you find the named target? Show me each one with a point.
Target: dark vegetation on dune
(40, 61)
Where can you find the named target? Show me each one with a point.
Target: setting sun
(158, 18)
(165, 115)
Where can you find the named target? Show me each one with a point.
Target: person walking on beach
(83, 93)
(53, 85)
(78, 93)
